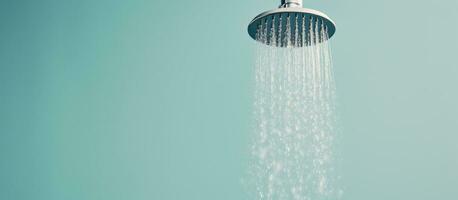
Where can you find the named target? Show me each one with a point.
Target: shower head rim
(252, 28)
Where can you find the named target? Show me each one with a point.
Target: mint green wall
(151, 99)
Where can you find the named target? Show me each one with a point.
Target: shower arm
(290, 3)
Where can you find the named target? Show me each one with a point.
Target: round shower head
(293, 23)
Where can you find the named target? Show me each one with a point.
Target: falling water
(293, 148)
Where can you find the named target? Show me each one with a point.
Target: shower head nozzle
(302, 22)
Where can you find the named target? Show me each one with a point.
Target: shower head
(291, 25)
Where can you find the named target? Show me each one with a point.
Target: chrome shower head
(290, 25)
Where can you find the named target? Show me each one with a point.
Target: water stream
(293, 146)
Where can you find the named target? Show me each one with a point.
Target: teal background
(151, 99)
